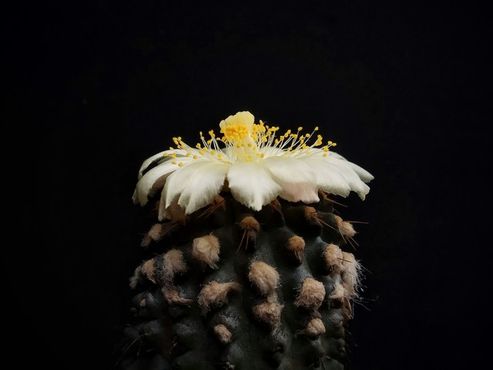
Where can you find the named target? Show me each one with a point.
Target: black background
(104, 85)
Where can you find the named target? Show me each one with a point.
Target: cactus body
(231, 288)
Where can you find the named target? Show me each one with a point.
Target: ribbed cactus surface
(230, 288)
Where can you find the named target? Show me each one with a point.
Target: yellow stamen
(246, 141)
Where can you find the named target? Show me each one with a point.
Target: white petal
(299, 192)
(155, 175)
(203, 185)
(193, 186)
(252, 184)
(161, 155)
(149, 161)
(352, 178)
(298, 181)
(269, 151)
(362, 173)
(327, 179)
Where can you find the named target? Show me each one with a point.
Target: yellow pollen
(234, 134)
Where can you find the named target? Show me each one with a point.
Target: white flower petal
(349, 175)
(269, 151)
(156, 158)
(193, 186)
(362, 173)
(296, 178)
(326, 178)
(150, 160)
(252, 184)
(299, 192)
(154, 176)
(342, 166)
(203, 185)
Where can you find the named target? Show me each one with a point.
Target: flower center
(239, 133)
(236, 134)
(237, 129)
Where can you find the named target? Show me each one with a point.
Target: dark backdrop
(104, 85)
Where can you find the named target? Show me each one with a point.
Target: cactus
(242, 282)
